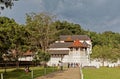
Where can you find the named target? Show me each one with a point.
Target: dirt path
(71, 73)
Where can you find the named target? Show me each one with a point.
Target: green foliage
(106, 38)
(12, 36)
(105, 53)
(5, 33)
(66, 28)
(41, 29)
(41, 56)
(106, 46)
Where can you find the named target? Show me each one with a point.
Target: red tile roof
(77, 44)
(28, 53)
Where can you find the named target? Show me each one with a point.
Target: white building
(27, 56)
(72, 49)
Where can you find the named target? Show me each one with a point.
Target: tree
(7, 4)
(41, 56)
(67, 28)
(115, 56)
(18, 39)
(41, 29)
(5, 33)
(105, 53)
(13, 39)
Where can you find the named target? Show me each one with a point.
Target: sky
(93, 15)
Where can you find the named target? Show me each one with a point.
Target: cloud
(20, 8)
(95, 15)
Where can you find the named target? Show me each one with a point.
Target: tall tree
(41, 29)
(13, 39)
(18, 39)
(5, 29)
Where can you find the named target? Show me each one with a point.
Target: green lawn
(101, 73)
(21, 74)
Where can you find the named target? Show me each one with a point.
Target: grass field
(21, 74)
(102, 73)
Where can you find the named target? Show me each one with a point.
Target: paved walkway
(71, 73)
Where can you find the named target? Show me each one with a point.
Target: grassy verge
(21, 74)
(102, 73)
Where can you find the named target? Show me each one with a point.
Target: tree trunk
(17, 64)
(103, 62)
(5, 67)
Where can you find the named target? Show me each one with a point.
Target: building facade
(27, 56)
(71, 49)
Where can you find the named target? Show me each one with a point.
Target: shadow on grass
(17, 74)
(21, 74)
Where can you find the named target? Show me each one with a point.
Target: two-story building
(72, 49)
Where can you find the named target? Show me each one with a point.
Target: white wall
(59, 49)
(30, 58)
(106, 63)
(54, 61)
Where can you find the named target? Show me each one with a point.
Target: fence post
(81, 73)
(44, 70)
(1, 75)
(32, 74)
(53, 68)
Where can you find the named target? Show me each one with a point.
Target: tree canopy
(12, 36)
(41, 29)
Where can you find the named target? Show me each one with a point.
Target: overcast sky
(95, 15)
